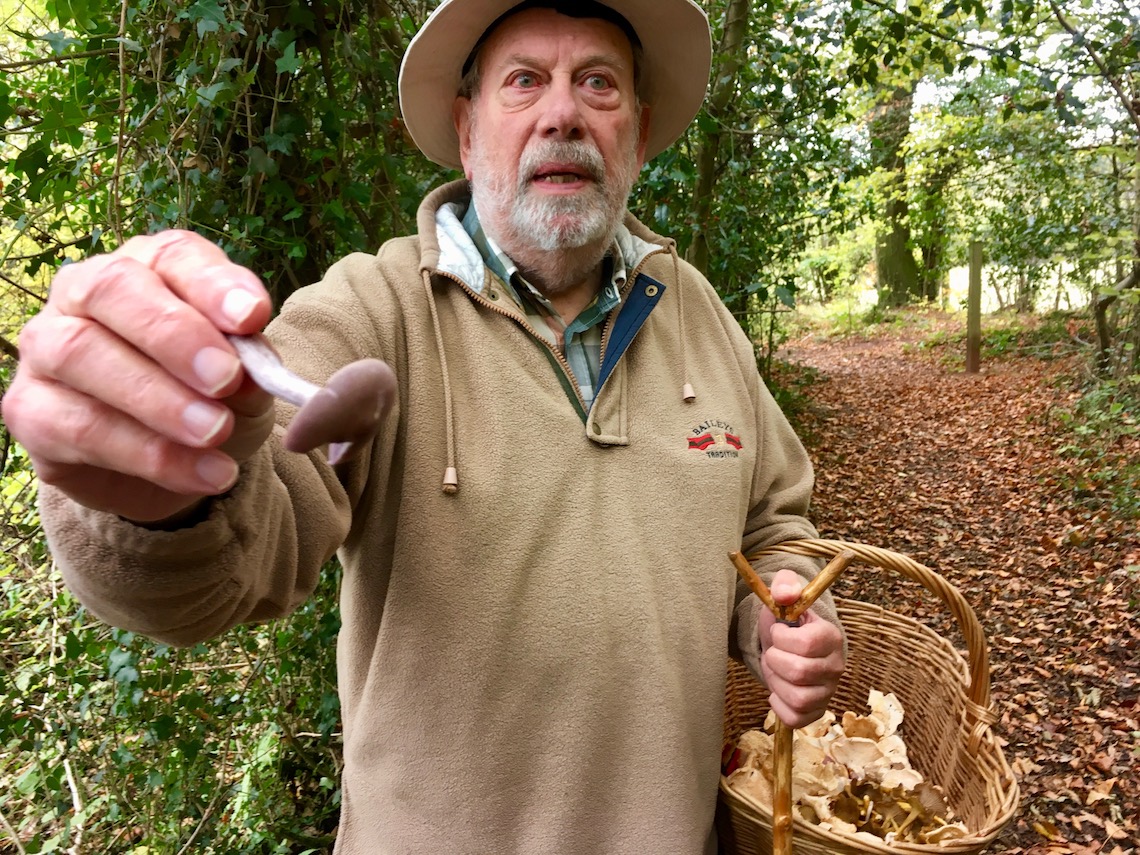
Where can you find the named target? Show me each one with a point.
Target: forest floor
(967, 474)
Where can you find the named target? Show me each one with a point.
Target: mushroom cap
(861, 725)
(858, 754)
(753, 783)
(950, 831)
(348, 409)
(885, 709)
(908, 779)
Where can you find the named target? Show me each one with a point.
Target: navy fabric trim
(629, 321)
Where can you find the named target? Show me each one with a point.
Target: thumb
(786, 586)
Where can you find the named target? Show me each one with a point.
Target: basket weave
(946, 703)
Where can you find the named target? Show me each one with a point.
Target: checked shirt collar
(580, 341)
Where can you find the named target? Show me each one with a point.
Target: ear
(461, 115)
(642, 135)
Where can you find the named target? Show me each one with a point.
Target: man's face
(554, 138)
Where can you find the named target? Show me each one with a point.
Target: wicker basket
(946, 725)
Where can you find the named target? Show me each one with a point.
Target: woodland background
(847, 154)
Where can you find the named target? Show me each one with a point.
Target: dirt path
(962, 472)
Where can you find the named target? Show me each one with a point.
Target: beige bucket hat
(674, 35)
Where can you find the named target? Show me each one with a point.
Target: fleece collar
(461, 258)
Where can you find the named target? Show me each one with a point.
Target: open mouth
(561, 173)
(559, 177)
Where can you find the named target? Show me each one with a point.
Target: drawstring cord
(451, 473)
(687, 392)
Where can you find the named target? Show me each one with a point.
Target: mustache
(581, 155)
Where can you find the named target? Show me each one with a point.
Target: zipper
(555, 352)
(567, 371)
(630, 279)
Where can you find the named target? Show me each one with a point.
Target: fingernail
(215, 368)
(238, 305)
(204, 420)
(218, 471)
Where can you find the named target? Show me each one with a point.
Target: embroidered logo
(715, 438)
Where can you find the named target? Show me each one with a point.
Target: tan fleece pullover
(532, 665)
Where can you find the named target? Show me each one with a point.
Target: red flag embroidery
(701, 442)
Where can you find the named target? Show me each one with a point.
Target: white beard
(551, 223)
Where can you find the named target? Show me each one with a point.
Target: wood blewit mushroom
(344, 413)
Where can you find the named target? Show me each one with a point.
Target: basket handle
(977, 647)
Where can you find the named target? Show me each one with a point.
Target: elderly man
(533, 651)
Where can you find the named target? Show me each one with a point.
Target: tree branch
(12, 834)
(19, 287)
(47, 60)
(1079, 38)
(932, 30)
(116, 177)
(9, 349)
(1132, 280)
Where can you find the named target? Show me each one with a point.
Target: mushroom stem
(269, 372)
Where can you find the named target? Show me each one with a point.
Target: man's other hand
(802, 664)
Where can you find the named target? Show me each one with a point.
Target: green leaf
(121, 665)
(29, 781)
(60, 43)
(130, 44)
(707, 124)
(209, 94)
(260, 163)
(164, 727)
(281, 143)
(207, 15)
(289, 62)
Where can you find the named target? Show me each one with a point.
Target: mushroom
(950, 831)
(756, 744)
(858, 754)
(932, 799)
(818, 729)
(853, 777)
(344, 413)
(885, 709)
(908, 779)
(862, 726)
(753, 783)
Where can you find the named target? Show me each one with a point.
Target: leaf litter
(963, 472)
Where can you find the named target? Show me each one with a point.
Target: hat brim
(677, 58)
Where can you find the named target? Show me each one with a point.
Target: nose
(562, 119)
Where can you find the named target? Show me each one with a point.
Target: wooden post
(974, 311)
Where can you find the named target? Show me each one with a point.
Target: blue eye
(597, 82)
(525, 80)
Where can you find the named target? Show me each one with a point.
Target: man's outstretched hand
(129, 398)
(801, 665)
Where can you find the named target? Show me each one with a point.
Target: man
(532, 657)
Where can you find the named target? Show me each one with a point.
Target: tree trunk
(933, 278)
(897, 271)
(930, 288)
(726, 68)
(1101, 305)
